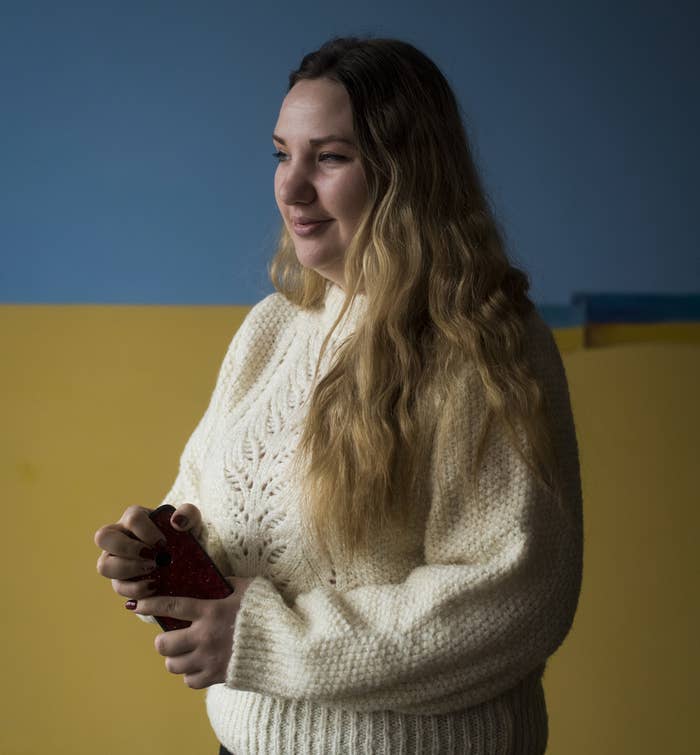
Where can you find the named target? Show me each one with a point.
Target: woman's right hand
(129, 547)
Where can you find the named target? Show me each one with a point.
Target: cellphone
(183, 568)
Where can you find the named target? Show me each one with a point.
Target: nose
(295, 185)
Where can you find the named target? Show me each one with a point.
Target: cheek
(359, 200)
(276, 187)
(354, 196)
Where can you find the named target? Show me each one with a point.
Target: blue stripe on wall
(636, 308)
(135, 139)
(563, 316)
(615, 308)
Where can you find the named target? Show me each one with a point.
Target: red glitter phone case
(184, 568)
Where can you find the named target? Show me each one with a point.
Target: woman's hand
(201, 651)
(129, 545)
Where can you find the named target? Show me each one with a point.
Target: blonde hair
(430, 261)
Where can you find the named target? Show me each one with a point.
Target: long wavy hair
(429, 258)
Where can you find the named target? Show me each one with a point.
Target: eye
(325, 156)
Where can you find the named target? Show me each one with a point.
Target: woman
(389, 462)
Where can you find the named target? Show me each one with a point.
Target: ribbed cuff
(252, 665)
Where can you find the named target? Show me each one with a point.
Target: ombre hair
(429, 258)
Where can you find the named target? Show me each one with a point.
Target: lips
(305, 220)
(310, 227)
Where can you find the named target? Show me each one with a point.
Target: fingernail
(130, 605)
(148, 553)
(180, 520)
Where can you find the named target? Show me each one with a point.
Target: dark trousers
(224, 751)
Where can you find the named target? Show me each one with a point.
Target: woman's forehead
(319, 102)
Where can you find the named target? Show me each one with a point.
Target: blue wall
(135, 150)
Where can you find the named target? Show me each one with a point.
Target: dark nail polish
(161, 545)
(180, 520)
(148, 553)
(130, 605)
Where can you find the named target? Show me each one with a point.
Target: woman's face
(323, 181)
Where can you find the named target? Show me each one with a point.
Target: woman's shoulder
(542, 350)
(266, 320)
(537, 330)
(274, 309)
(265, 332)
(538, 344)
(540, 353)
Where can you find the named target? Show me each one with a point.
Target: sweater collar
(333, 303)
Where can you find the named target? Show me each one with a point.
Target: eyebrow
(320, 140)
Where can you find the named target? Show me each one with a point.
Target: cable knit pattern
(436, 643)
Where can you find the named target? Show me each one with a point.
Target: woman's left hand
(201, 651)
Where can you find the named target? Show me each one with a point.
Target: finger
(187, 517)
(183, 664)
(114, 567)
(134, 590)
(136, 519)
(114, 539)
(167, 605)
(198, 680)
(174, 643)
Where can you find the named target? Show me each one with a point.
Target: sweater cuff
(252, 666)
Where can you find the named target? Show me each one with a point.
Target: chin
(316, 260)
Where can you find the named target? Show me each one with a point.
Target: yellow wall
(96, 404)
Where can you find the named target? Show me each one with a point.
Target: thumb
(187, 517)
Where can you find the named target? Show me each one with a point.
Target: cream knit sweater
(435, 644)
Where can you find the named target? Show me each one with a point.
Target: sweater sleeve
(494, 599)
